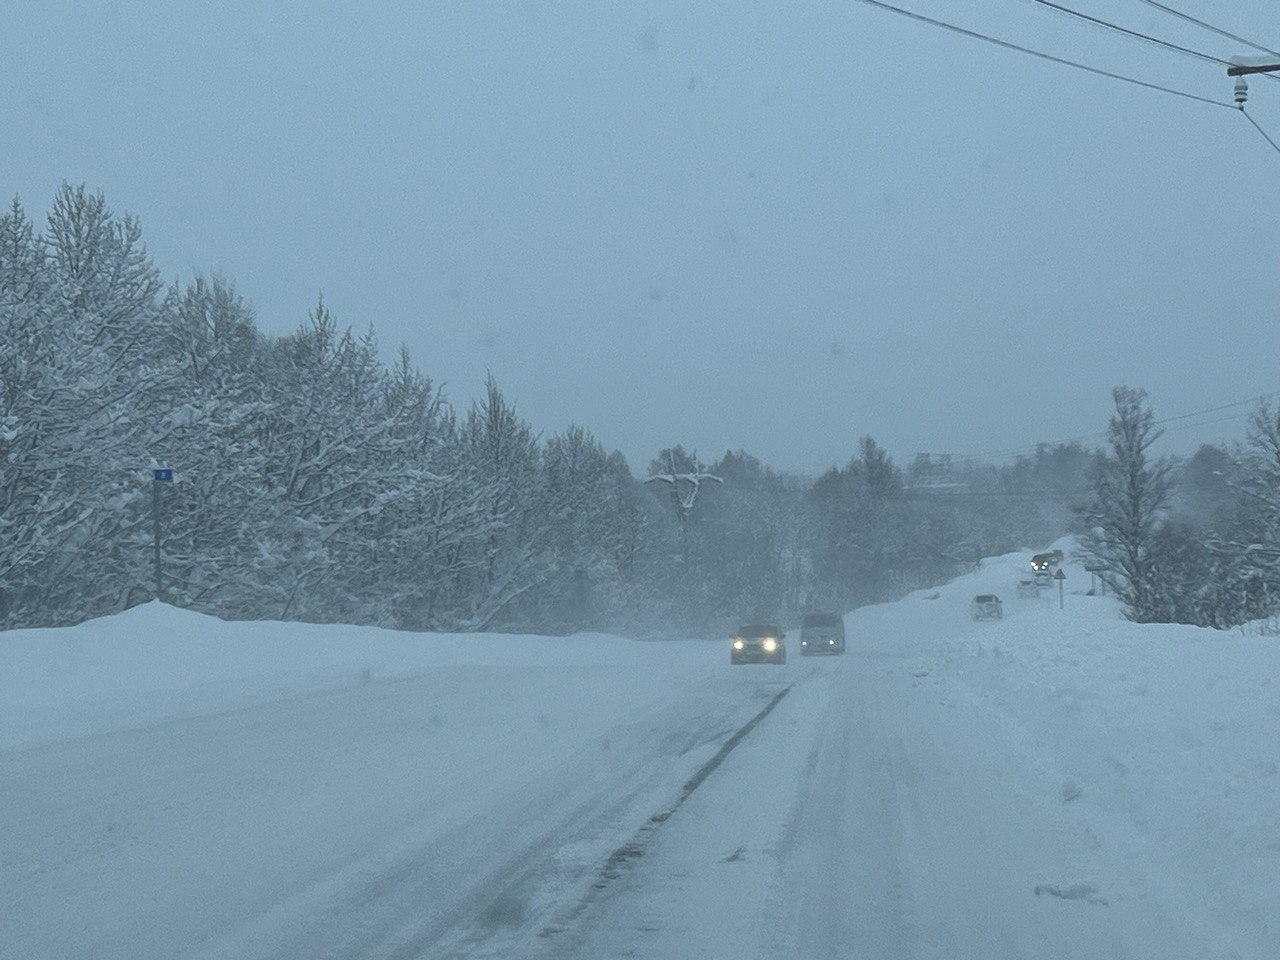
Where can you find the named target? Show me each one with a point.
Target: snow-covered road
(1061, 785)
(867, 822)
(383, 819)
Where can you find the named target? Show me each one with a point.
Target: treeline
(315, 482)
(1195, 541)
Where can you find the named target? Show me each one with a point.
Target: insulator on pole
(1242, 92)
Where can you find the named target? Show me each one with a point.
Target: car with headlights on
(821, 633)
(758, 643)
(1043, 566)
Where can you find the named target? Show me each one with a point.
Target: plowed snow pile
(1153, 750)
(156, 663)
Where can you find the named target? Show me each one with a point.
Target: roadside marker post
(159, 475)
(1060, 576)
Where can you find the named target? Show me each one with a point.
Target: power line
(1208, 26)
(1011, 452)
(1138, 35)
(1265, 136)
(1225, 406)
(1038, 53)
(1209, 423)
(1107, 24)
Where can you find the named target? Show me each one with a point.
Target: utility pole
(684, 493)
(1242, 67)
(160, 475)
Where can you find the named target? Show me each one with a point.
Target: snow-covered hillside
(1061, 783)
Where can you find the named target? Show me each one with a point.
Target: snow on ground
(155, 663)
(1059, 784)
(1154, 745)
(172, 785)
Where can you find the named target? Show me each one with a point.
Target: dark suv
(758, 643)
(822, 633)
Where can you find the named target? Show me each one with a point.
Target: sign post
(1060, 576)
(1096, 581)
(158, 476)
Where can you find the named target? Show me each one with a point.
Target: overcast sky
(760, 225)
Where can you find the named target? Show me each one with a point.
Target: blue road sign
(162, 475)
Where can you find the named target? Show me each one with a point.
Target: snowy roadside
(156, 663)
(242, 790)
(1149, 748)
(1061, 784)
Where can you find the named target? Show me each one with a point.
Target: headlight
(832, 642)
(770, 644)
(738, 644)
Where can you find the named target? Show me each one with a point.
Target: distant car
(1028, 589)
(987, 606)
(821, 633)
(1043, 565)
(758, 643)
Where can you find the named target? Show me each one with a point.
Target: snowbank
(156, 663)
(1152, 747)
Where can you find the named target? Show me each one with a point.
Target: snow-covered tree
(1130, 494)
(1253, 540)
(431, 532)
(207, 433)
(1205, 488)
(315, 482)
(864, 531)
(502, 456)
(753, 561)
(86, 340)
(34, 513)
